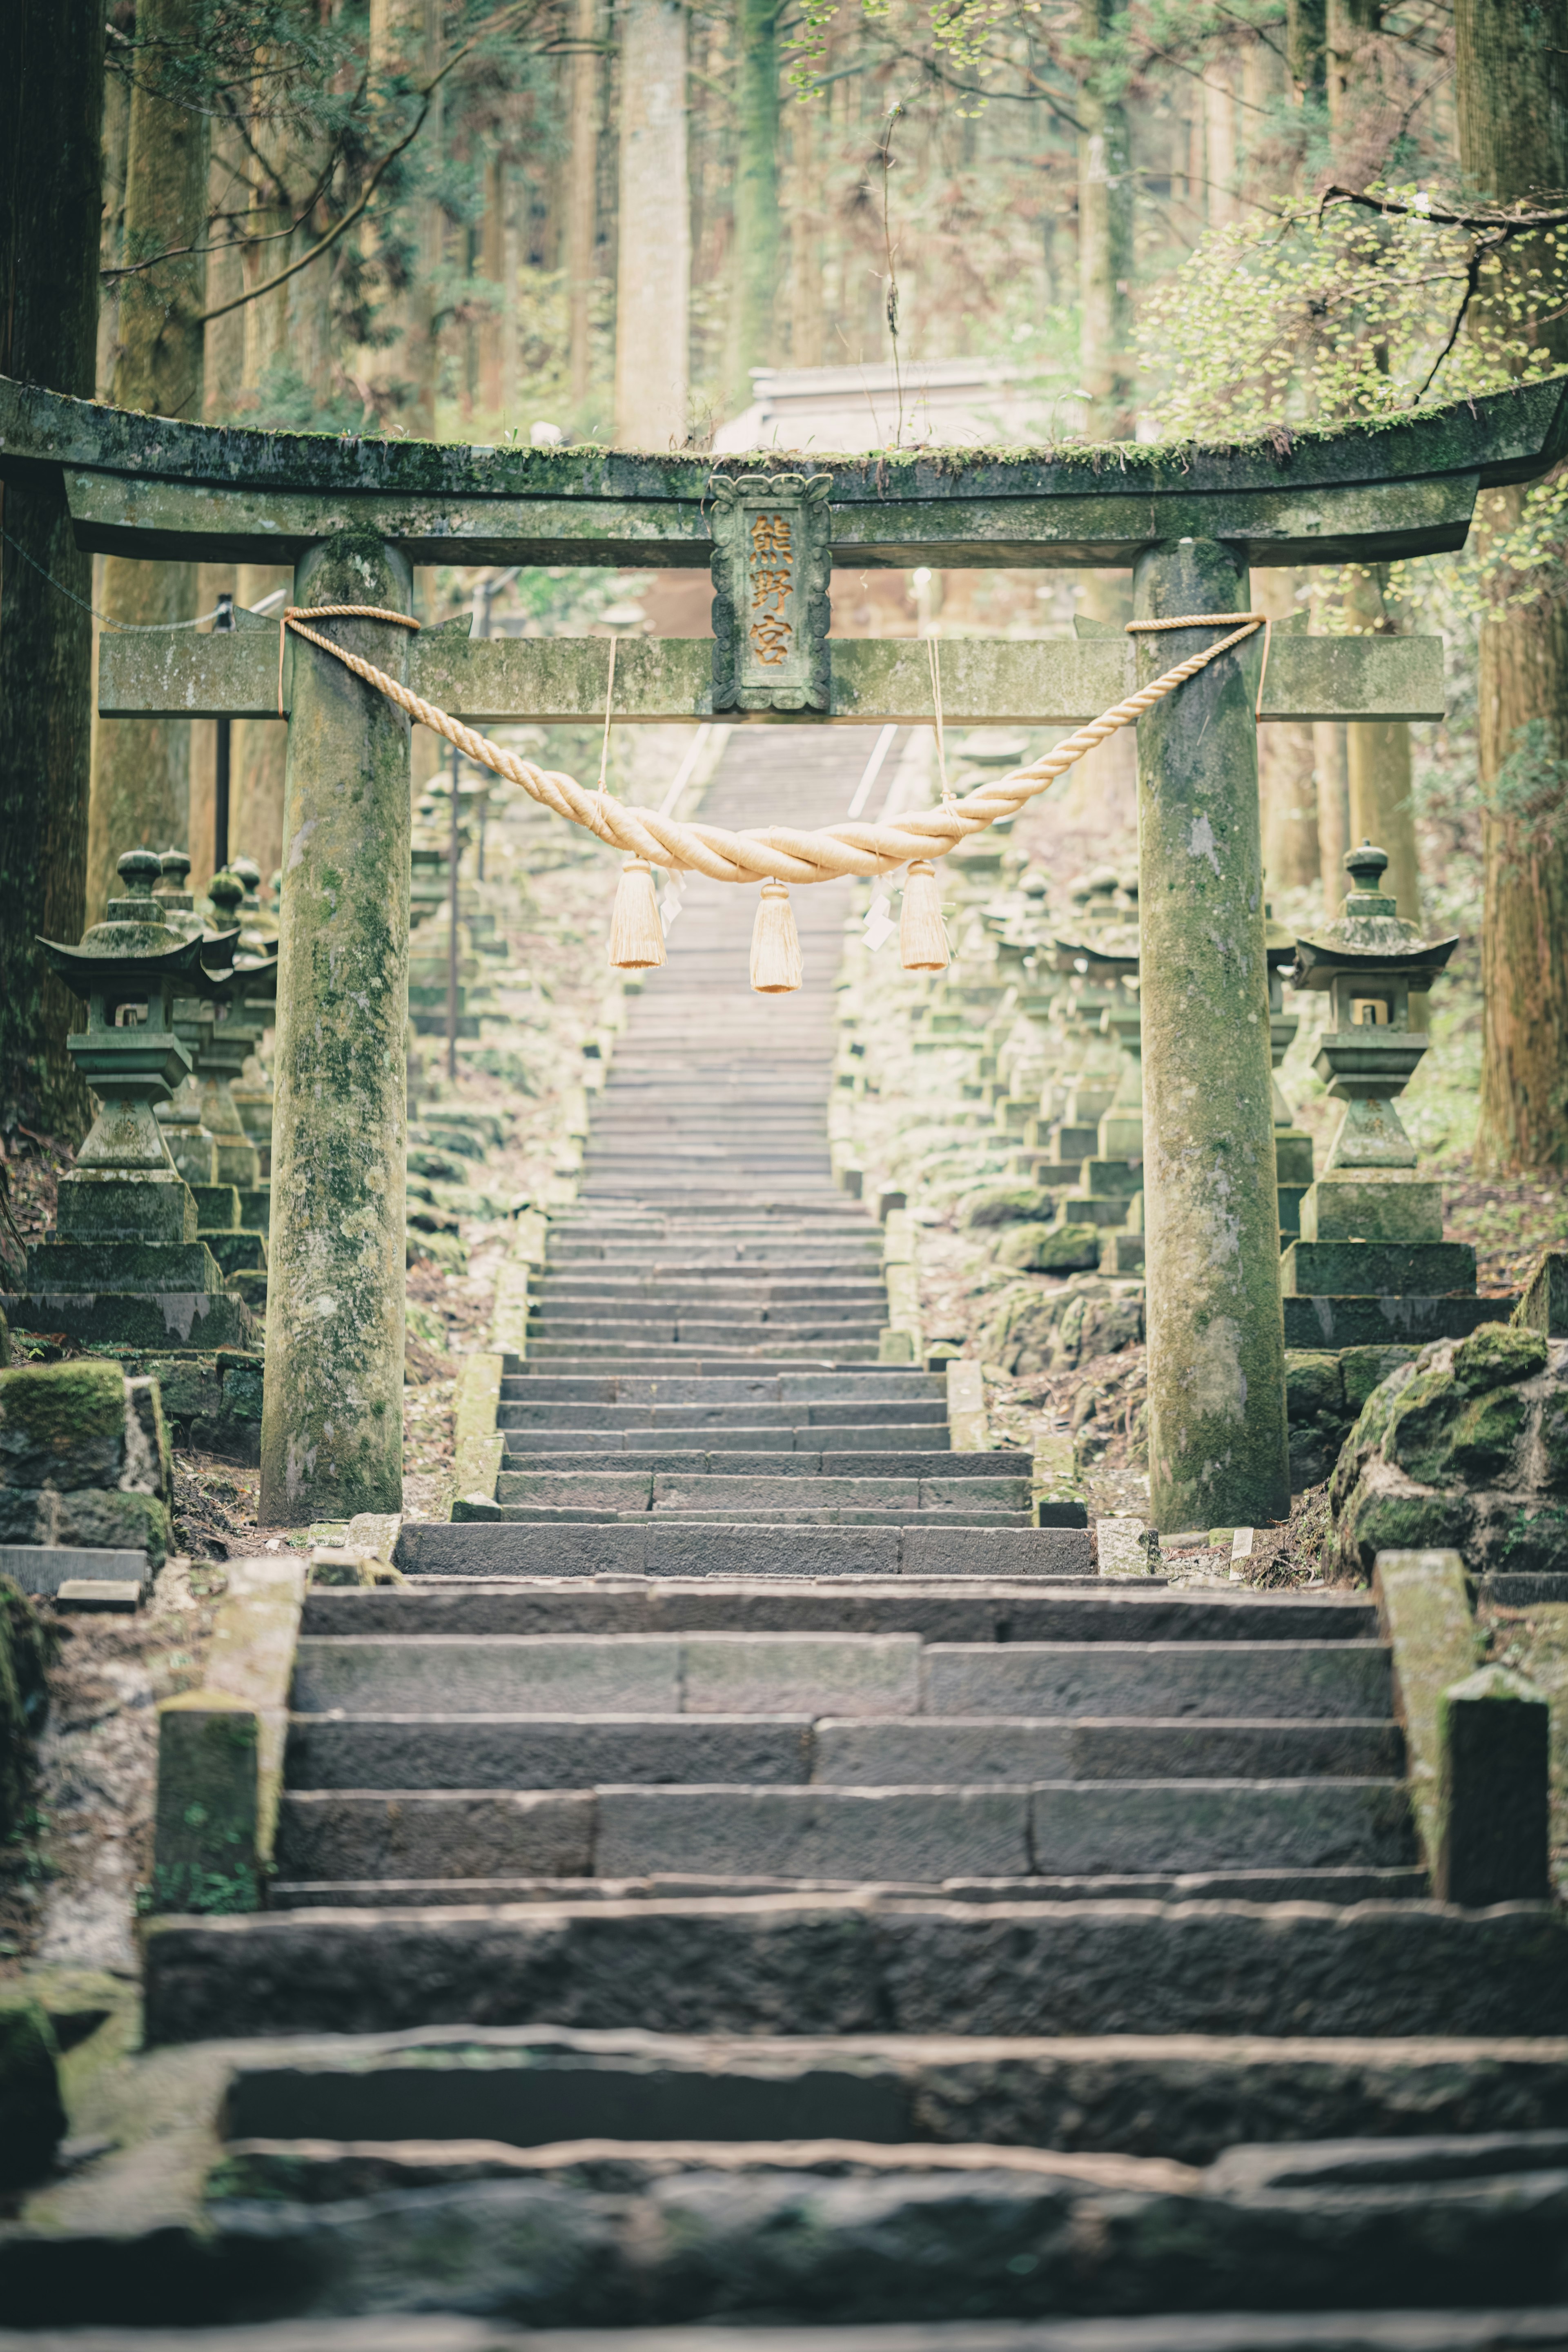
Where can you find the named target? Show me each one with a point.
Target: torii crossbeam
(353, 516)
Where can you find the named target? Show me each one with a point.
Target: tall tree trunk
(1306, 40)
(1104, 234)
(653, 265)
(1285, 763)
(141, 784)
(1219, 139)
(807, 232)
(492, 265)
(581, 205)
(756, 247)
(51, 110)
(1378, 769)
(1331, 770)
(404, 39)
(1511, 91)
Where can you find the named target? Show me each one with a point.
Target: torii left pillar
(331, 1421)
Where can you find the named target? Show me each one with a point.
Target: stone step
(909, 1449)
(682, 1460)
(739, 1322)
(969, 1609)
(732, 1293)
(650, 1547)
(776, 1349)
(371, 1748)
(838, 1964)
(804, 1508)
(688, 1485)
(1354, 1884)
(858, 1836)
(866, 1386)
(713, 1673)
(907, 1423)
(1189, 2098)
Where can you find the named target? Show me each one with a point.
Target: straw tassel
(636, 935)
(922, 935)
(775, 944)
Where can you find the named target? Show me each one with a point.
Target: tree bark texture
(581, 200)
(1378, 768)
(1306, 33)
(141, 784)
(1285, 764)
(652, 292)
(51, 105)
(404, 39)
(1331, 772)
(756, 247)
(1104, 239)
(1511, 95)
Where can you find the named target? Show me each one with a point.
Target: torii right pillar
(1217, 1448)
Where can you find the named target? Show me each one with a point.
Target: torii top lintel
(1402, 486)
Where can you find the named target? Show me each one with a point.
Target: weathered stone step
(970, 1611)
(868, 1387)
(853, 1834)
(688, 1485)
(847, 1965)
(855, 1675)
(1356, 1883)
(1189, 2098)
(377, 1749)
(908, 1450)
(912, 1422)
(803, 1508)
(731, 1291)
(731, 1322)
(654, 1546)
(717, 1673)
(775, 1349)
(995, 1477)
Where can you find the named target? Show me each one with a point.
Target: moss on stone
(1498, 1353)
(25, 1649)
(1049, 1249)
(1007, 1204)
(62, 1424)
(31, 2110)
(1384, 1520)
(1313, 1383)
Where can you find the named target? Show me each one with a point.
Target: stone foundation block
(205, 1850)
(1329, 1268)
(1345, 1205)
(30, 2102)
(62, 1425)
(1544, 1306)
(137, 1208)
(1493, 1731)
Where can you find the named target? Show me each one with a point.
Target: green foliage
(1308, 315)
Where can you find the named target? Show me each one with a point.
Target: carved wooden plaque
(771, 565)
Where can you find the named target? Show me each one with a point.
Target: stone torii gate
(354, 516)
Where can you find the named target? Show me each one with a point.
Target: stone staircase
(752, 1796)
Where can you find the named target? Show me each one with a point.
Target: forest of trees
(592, 219)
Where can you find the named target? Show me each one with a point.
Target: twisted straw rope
(776, 851)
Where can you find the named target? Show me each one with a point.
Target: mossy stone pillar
(1217, 1454)
(332, 1423)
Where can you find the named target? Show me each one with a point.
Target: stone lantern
(1371, 1264)
(125, 1264)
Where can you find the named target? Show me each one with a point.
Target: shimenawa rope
(778, 851)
